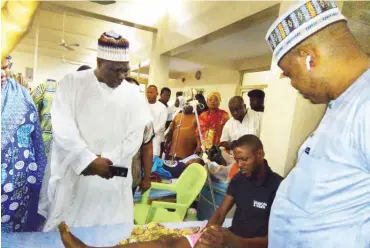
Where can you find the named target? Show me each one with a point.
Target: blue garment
(158, 168)
(23, 160)
(325, 200)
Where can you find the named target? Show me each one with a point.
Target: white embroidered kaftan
(90, 119)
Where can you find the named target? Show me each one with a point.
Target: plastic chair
(187, 188)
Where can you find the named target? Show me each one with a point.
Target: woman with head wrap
(212, 122)
(23, 158)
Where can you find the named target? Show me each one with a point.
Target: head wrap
(214, 93)
(256, 93)
(111, 46)
(300, 22)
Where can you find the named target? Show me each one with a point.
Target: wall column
(284, 129)
(159, 64)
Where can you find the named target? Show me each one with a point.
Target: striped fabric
(43, 97)
(113, 47)
(300, 22)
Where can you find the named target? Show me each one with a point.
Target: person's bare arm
(218, 237)
(71, 241)
(167, 242)
(169, 135)
(254, 243)
(218, 217)
(147, 162)
(226, 144)
(198, 149)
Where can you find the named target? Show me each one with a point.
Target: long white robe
(159, 114)
(90, 119)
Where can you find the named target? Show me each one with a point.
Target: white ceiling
(230, 51)
(82, 30)
(179, 66)
(234, 48)
(247, 49)
(145, 12)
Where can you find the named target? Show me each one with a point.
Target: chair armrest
(170, 205)
(164, 186)
(145, 197)
(160, 186)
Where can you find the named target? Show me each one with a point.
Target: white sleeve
(161, 124)
(225, 137)
(67, 140)
(259, 117)
(363, 134)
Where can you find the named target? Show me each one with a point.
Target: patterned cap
(113, 47)
(300, 22)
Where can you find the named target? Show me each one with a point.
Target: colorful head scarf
(214, 93)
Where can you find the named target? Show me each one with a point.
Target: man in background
(257, 100)
(244, 121)
(164, 98)
(159, 114)
(142, 161)
(43, 97)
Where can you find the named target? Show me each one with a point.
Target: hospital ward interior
(181, 124)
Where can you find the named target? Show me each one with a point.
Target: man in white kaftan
(244, 121)
(325, 199)
(159, 114)
(96, 123)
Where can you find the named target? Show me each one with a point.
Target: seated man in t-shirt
(252, 190)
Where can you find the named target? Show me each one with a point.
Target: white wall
(212, 79)
(256, 78)
(47, 67)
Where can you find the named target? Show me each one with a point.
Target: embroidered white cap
(300, 22)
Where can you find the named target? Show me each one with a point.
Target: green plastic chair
(187, 188)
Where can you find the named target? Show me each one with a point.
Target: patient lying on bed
(189, 241)
(252, 190)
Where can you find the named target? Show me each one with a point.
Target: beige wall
(213, 79)
(287, 121)
(306, 119)
(47, 67)
(256, 78)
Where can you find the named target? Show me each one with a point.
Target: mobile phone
(118, 171)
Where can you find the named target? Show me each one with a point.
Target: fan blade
(69, 48)
(74, 44)
(103, 2)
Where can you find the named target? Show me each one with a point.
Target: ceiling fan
(103, 2)
(65, 45)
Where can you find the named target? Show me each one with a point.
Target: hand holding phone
(100, 167)
(118, 171)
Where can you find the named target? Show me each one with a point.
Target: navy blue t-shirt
(253, 197)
